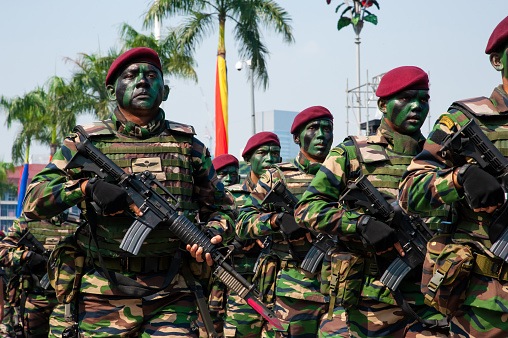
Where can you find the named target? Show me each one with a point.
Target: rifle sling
(408, 310)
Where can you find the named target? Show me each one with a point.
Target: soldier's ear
(381, 104)
(111, 92)
(166, 93)
(495, 61)
(296, 138)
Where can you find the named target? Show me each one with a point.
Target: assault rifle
(29, 241)
(412, 233)
(281, 197)
(157, 210)
(471, 141)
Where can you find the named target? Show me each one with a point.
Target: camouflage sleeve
(254, 218)
(54, 189)
(216, 207)
(319, 209)
(428, 181)
(10, 256)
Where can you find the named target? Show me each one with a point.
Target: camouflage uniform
(372, 311)
(183, 165)
(43, 316)
(299, 304)
(241, 319)
(429, 184)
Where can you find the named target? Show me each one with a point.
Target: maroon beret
(224, 160)
(260, 139)
(140, 54)
(498, 38)
(402, 78)
(309, 114)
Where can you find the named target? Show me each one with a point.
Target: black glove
(378, 234)
(109, 197)
(481, 189)
(286, 223)
(36, 263)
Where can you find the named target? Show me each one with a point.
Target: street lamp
(238, 66)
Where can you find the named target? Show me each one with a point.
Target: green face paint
(316, 139)
(139, 87)
(408, 110)
(504, 61)
(263, 158)
(228, 175)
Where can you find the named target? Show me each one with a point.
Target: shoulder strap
(478, 106)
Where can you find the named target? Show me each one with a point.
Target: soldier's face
(228, 175)
(316, 139)
(140, 87)
(407, 110)
(264, 157)
(504, 61)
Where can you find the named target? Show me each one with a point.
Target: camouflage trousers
(241, 319)
(302, 319)
(161, 315)
(7, 325)
(371, 318)
(44, 316)
(477, 322)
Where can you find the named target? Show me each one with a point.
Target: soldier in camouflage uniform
(299, 303)
(261, 152)
(226, 166)
(437, 177)
(137, 138)
(41, 313)
(372, 310)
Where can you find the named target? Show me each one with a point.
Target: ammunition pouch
(446, 271)
(266, 276)
(65, 269)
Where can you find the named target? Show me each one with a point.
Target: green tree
(27, 110)
(176, 58)
(247, 15)
(5, 186)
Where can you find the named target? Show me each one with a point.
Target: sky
(447, 39)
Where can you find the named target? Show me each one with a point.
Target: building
(279, 122)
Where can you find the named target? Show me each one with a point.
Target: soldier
(261, 152)
(382, 158)
(121, 294)
(40, 313)
(299, 302)
(226, 166)
(478, 300)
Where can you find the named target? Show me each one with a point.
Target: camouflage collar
(500, 99)
(405, 144)
(155, 127)
(308, 167)
(247, 184)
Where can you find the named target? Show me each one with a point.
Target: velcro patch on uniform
(148, 163)
(338, 150)
(447, 122)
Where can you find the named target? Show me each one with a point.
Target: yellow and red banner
(221, 108)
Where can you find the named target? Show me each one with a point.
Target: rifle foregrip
(236, 283)
(189, 233)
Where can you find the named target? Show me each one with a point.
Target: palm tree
(176, 59)
(247, 15)
(5, 168)
(88, 83)
(26, 110)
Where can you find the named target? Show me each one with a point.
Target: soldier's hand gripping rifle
(471, 141)
(156, 210)
(29, 241)
(411, 232)
(280, 196)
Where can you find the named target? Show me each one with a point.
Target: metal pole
(347, 107)
(358, 113)
(252, 98)
(367, 131)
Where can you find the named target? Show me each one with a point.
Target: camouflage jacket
(55, 189)
(428, 184)
(254, 222)
(319, 208)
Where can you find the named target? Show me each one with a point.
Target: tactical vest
(239, 193)
(493, 125)
(296, 182)
(384, 168)
(49, 234)
(168, 157)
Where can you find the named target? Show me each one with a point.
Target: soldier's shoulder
(477, 106)
(97, 128)
(180, 127)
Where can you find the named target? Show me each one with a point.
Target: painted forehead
(319, 121)
(137, 66)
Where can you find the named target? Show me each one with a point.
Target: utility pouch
(346, 279)
(446, 271)
(65, 269)
(266, 276)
